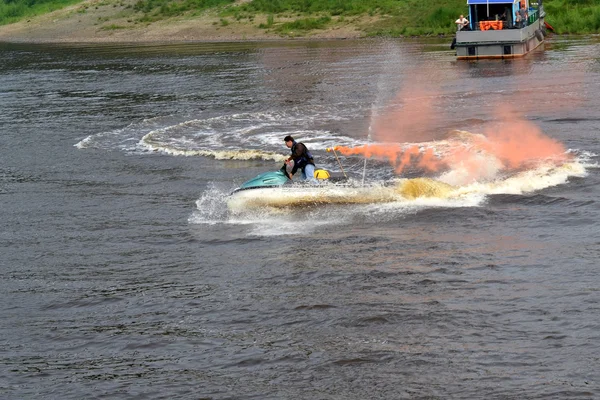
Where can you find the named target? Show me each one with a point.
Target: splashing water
(456, 186)
(211, 208)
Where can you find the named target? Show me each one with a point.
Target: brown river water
(463, 265)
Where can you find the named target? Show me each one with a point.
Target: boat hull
(505, 43)
(347, 193)
(299, 195)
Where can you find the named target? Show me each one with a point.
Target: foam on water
(224, 136)
(151, 144)
(529, 181)
(403, 194)
(125, 138)
(270, 210)
(257, 136)
(278, 210)
(585, 158)
(210, 207)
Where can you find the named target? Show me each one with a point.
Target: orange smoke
(511, 143)
(413, 120)
(399, 157)
(517, 142)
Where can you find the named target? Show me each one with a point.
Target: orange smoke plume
(510, 143)
(517, 142)
(412, 118)
(398, 156)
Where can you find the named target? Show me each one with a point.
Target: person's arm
(294, 168)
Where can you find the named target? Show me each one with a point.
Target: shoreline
(120, 21)
(100, 22)
(154, 37)
(12, 40)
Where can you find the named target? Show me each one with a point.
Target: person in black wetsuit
(302, 159)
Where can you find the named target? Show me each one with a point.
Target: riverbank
(101, 21)
(98, 21)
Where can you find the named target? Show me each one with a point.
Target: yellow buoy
(321, 174)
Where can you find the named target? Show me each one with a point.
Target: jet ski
(275, 188)
(273, 179)
(266, 180)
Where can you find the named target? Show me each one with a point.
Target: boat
(493, 32)
(275, 189)
(269, 179)
(274, 179)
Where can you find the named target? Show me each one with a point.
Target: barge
(497, 30)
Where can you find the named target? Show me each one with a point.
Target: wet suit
(303, 160)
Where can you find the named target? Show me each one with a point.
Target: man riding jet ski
(302, 159)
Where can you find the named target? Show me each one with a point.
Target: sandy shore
(105, 21)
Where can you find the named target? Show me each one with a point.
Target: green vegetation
(269, 24)
(303, 25)
(300, 17)
(573, 16)
(389, 17)
(112, 27)
(154, 10)
(16, 10)
(334, 7)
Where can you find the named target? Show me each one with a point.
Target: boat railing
(534, 15)
(501, 24)
(506, 35)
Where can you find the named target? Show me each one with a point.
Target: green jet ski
(279, 178)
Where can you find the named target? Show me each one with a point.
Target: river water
(468, 269)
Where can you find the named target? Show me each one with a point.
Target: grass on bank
(299, 17)
(304, 25)
(412, 17)
(573, 16)
(386, 17)
(154, 10)
(16, 10)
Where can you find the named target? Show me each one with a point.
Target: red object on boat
(548, 26)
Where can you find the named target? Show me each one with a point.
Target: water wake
(151, 144)
(243, 136)
(336, 203)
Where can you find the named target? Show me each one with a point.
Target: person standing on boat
(518, 20)
(524, 16)
(302, 159)
(462, 23)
